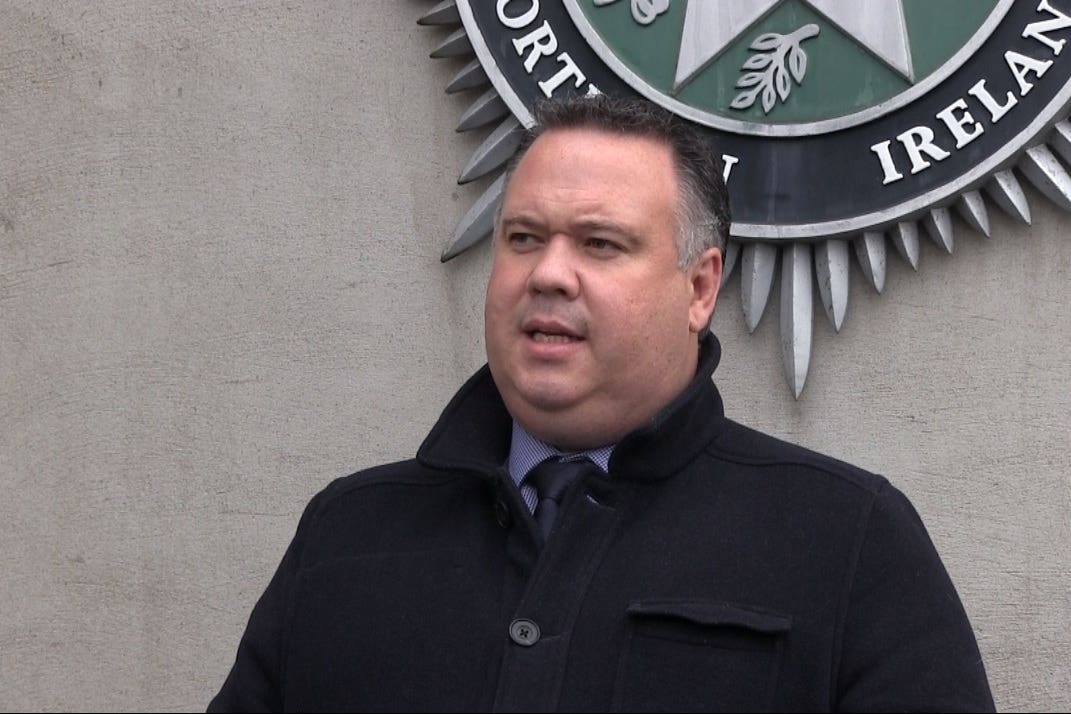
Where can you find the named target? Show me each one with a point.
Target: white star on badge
(711, 25)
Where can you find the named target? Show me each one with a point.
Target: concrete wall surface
(220, 288)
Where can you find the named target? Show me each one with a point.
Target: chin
(538, 400)
(549, 394)
(557, 416)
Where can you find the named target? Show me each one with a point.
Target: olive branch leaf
(643, 11)
(776, 58)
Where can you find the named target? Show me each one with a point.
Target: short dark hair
(703, 211)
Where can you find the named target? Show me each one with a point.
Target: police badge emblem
(844, 126)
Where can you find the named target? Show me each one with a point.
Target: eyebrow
(600, 226)
(522, 220)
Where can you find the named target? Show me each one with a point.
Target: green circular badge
(784, 68)
(845, 126)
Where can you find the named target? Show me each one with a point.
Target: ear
(705, 280)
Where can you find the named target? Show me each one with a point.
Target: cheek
(630, 324)
(507, 281)
(657, 321)
(504, 290)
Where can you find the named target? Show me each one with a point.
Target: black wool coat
(713, 569)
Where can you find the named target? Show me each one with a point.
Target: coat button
(524, 632)
(502, 516)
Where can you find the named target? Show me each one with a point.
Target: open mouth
(552, 338)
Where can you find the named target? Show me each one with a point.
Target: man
(690, 564)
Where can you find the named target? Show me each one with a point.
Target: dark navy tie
(551, 479)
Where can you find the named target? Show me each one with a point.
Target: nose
(555, 270)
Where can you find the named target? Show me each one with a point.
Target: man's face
(591, 328)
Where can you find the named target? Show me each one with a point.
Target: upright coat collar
(473, 432)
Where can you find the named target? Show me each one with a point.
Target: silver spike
(905, 236)
(870, 251)
(1043, 169)
(496, 150)
(456, 44)
(444, 13)
(756, 278)
(1060, 140)
(938, 224)
(478, 223)
(1006, 192)
(728, 262)
(487, 108)
(832, 266)
(471, 76)
(971, 208)
(797, 314)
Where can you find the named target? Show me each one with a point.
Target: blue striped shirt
(526, 452)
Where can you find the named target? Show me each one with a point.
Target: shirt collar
(526, 451)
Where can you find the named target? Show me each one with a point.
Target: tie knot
(552, 477)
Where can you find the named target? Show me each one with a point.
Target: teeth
(551, 338)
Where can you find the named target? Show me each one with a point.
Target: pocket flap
(713, 613)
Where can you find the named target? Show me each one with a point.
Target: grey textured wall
(219, 288)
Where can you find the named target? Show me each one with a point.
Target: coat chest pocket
(699, 655)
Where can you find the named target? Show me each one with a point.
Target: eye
(522, 241)
(603, 246)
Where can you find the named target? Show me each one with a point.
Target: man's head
(703, 212)
(607, 267)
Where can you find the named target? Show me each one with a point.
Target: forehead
(576, 162)
(569, 142)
